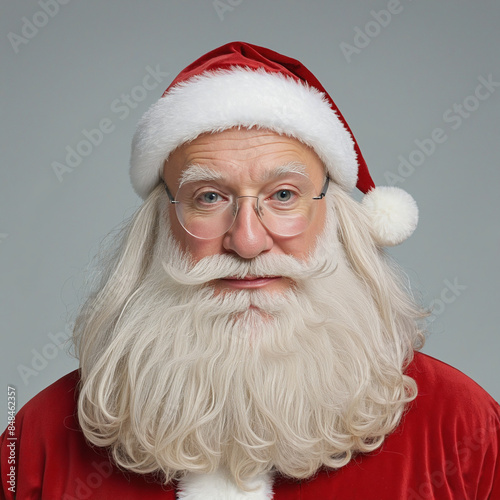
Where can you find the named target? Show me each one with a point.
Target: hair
(175, 379)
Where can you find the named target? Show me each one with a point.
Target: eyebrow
(196, 172)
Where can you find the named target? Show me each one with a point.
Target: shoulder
(451, 406)
(439, 382)
(54, 403)
(38, 439)
(51, 412)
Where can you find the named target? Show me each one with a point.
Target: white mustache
(223, 266)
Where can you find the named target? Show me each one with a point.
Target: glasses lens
(285, 206)
(205, 211)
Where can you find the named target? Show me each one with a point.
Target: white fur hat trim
(217, 100)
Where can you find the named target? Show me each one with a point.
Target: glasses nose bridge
(256, 207)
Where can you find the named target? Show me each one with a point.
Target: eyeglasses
(285, 206)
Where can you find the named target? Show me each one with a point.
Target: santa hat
(243, 85)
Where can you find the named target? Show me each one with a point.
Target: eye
(210, 197)
(283, 195)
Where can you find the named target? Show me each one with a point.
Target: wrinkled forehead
(242, 155)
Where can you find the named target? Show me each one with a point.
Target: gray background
(397, 88)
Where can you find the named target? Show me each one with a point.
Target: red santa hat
(243, 85)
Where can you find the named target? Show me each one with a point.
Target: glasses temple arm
(170, 197)
(324, 190)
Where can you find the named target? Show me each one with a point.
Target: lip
(250, 281)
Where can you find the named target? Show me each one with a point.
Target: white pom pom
(394, 214)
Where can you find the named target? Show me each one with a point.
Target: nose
(247, 236)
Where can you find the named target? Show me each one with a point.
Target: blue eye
(210, 197)
(283, 195)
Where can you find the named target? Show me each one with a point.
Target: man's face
(246, 159)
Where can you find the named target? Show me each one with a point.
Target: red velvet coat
(446, 447)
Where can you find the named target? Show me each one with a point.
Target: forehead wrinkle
(196, 172)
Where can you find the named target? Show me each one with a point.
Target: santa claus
(249, 338)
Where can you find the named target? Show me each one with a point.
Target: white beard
(265, 323)
(249, 381)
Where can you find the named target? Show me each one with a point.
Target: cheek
(195, 247)
(303, 244)
(176, 229)
(202, 248)
(319, 223)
